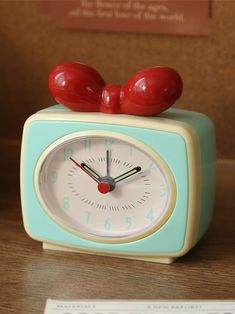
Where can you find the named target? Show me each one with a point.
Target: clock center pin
(104, 187)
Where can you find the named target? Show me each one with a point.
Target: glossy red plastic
(151, 91)
(76, 86)
(110, 101)
(148, 92)
(103, 187)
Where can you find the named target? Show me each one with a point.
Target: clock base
(160, 260)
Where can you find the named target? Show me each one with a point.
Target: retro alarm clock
(111, 170)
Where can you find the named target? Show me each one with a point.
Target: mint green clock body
(118, 185)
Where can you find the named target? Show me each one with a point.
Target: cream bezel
(114, 135)
(162, 123)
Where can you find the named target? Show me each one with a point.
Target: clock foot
(157, 259)
(160, 260)
(56, 247)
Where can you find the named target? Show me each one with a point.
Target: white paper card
(139, 307)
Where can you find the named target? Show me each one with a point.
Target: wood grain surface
(32, 43)
(29, 275)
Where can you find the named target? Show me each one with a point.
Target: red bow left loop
(147, 92)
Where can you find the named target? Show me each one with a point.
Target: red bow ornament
(147, 92)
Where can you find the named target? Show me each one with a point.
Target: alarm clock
(123, 185)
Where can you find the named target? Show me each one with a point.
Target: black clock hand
(107, 162)
(103, 185)
(127, 174)
(90, 173)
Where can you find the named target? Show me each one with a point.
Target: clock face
(108, 188)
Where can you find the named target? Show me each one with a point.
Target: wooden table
(29, 275)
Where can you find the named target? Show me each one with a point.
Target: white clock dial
(105, 188)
